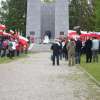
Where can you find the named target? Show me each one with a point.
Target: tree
(13, 14)
(82, 14)
(97, 12)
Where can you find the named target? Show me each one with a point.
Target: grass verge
(92, 68)
(7, 59)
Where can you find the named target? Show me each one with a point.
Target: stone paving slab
(34, 78)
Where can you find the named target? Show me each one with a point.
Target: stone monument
(45, 16)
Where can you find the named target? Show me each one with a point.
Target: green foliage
(13, 14)
(82, 14)
(97, 12)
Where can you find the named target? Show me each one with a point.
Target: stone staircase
(41, 48)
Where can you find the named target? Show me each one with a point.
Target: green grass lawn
(92, 68)
(7, 59)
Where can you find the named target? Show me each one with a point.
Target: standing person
(46, 39)
(17, 48)
(88, 47)
(10, 45)
(65, 51)
(95, 49)
(13, 47)
(78, 51)
(49, 34)
(71, 52)
(56, 51)
(4, 45)
(60, 50)
(0, 46)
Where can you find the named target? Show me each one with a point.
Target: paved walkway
(34, 78)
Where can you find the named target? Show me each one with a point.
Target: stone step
(41, 48)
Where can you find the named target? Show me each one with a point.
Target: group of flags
(84, 35)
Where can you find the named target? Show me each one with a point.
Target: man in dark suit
(78, 51)
(56, 51)
(88, 47)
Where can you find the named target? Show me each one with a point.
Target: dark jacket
(56, 49)
(0, 45)
(88, 45)
(78, 46)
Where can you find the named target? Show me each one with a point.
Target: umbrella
(11, 32)
(2, 27)
(71, 32)
(23, 42)
(6, 34)
(94, 35)
(84, 35)
(1, 33)
(23, 38)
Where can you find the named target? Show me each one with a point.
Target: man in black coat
(78, 51)
(88, 47)
(56, 52)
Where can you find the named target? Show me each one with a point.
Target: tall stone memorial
(43, 16)
(61, 17)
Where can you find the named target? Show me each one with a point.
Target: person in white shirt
(13, 47)
(95, 49)
(46, 39)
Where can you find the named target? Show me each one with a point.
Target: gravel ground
(34, 78)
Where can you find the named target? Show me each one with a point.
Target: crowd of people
(72, 49)
(11, 47)
(12, 43)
